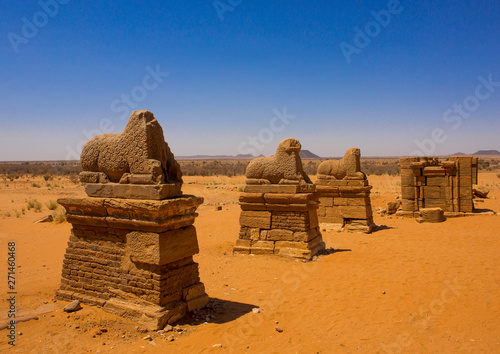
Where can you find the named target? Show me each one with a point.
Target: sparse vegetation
(52, 205)
(59, 216)
(35, 205)
(35, 185)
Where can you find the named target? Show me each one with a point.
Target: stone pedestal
(345, 202)
(134, 258)
(279, 219)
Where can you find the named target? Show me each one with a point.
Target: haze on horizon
(393, 78)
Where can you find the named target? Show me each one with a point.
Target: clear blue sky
(78, 68)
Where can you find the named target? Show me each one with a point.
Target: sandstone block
(253, 206)
(165, 248)
(355, 212)
(280, 235)
(252, 197)
(405, 162)
(433, 215)
(256, 219)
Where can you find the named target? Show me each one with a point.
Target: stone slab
(133, 191)
(279, 188)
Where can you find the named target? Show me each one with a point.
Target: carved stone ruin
(132, 243)
(278, 207)
(344, 193)
(427, 182)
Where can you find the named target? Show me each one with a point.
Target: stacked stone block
(428, 183)
(345, 202)
(285, 224)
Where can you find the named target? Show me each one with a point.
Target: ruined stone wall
(428, 183)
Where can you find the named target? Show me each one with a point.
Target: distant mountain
(458, 154)
(486, 152)
(306, 154)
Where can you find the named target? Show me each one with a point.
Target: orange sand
(406, 288)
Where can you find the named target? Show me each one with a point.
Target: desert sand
(407, 287)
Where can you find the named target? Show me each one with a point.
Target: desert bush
(18, 214)
(35, 185)
(59, 216)
(52, 205)
(35, 205)
(7, 214)
(498, 175)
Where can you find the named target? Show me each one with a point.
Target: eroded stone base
(278, 223)
(133, 258)
(346, 203)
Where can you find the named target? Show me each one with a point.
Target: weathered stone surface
(348, 167)
(279, 188)
(280, 235)
(133, 191)
(257, 219)
(73, 306)
(252, 197)
(392, 207)
(480, 191)
(164, 248)
(433, 215)
(151, 317)
(300, 198)
(133, 257)
(138, 155)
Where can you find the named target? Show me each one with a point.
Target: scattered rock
(279, 329)
(480, 191)
(47, 218)
(168, 328)
(72, 307)
(431, 215)
(218, 207)
(217, 346)
(171, 338)
(152, 342)
(392, 207)
(256, 310)
(178, 328)
(142, 330)
(148, 337)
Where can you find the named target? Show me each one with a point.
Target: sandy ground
(408, 287)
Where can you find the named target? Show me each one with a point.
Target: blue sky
(237, 76)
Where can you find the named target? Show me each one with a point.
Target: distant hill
(486, 152)
(458, 154)
(306, 154)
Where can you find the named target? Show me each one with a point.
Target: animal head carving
(289, 145)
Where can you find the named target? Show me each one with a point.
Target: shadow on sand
(218, 311)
